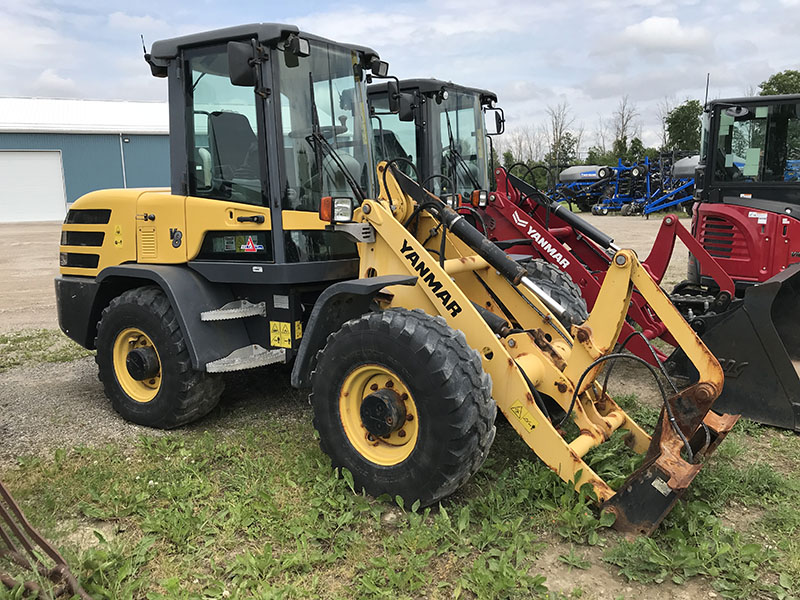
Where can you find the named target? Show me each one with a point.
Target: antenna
(144, 48)
(708, 79)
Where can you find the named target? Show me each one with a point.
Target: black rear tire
(183, 394)
(450, 393)
(560, 286)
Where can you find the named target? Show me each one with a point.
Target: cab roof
(754, 100)
(431, 86)
(264, 32)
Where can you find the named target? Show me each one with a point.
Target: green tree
(567, 153)
(508, 159)
(784, 82)
(683, 126)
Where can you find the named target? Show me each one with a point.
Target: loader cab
(445, 133)
(751, 145)
(265, 120)
(748, 186)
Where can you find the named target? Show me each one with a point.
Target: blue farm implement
(644, 187)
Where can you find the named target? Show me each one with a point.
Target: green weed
(28, 346)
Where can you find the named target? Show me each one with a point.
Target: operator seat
(230, 138)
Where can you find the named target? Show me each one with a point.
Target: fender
(335, 306)
(189, 293)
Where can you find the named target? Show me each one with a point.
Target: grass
(29, 346)
(257, 513)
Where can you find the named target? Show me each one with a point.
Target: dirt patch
(28, 265)
(600, 580)
(638, 233)
(49, 406)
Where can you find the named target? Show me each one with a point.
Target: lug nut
(374, 387)
(401, 433)
(390, 384)
(409, 417)
(403, 397)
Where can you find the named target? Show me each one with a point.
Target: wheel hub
(142, 363)
(383, 412)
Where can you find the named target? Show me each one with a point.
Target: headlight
(480, 198)
(336, 210)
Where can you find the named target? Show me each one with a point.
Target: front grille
(91, 216)
(82, 238)
(80, 261)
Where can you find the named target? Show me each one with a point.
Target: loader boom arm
(536, 358)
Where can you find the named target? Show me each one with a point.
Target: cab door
(227, 215)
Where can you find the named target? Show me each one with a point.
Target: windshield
(760, 146)
(327, 87)
(394, 139)
(461, 147)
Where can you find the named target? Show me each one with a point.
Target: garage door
(32, 186)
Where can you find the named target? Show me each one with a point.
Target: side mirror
(737, 111)
(240, 64)
(379, 68)
(499, 121)
(393, 95)
(294, 48)
(405, 110)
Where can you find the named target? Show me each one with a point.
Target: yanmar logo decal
(537, 237)
(430, 279)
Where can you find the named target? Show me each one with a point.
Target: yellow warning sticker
(280, 334)
(286, 335)
(298, 330)
(523, 414)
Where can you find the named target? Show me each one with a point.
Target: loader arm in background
(661, 253)
(536, 367)
(26, 549)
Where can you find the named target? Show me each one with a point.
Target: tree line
(557, 143)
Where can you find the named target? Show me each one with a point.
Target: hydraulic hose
(462, 229)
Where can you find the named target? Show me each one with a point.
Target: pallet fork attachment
(23, 546)
(540, 372)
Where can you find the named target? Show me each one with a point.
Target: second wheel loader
(409, 327)
(754, 334)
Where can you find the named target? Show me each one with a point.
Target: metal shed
(52, 151)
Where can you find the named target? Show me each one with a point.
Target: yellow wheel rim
(140, 391)
(385, 451)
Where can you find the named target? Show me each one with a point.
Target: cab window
(223, 148)
(762, 145)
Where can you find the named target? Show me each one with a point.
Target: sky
(531, 53)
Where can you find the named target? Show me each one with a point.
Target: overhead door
(31, 186)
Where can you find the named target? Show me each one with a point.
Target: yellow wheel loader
(278, 242)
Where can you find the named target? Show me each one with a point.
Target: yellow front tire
(403, 403)
(144, 364)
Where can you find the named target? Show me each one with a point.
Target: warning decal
(525, 417)
(280, 334)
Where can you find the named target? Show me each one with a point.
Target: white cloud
(143, 24)
(665, 35)
(50, 84)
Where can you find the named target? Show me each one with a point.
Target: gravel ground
(45, 406)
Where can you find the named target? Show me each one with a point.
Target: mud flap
(757, 342)
(649, 494)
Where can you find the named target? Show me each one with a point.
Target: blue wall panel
(93, 161)
(147, 160)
